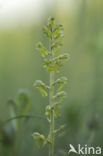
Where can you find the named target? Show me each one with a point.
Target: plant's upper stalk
(52, 62)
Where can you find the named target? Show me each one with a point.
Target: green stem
(22, 116)
(51, 146)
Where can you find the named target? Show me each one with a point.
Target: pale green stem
(51, 146)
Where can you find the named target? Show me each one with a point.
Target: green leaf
(13, 107)
(41, 86)
(42, 49)
(23, 101)
(13, 111)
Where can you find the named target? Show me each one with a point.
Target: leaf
(42, 49)
(23, 101)
(13, 111)
(13, 107)
(41, 86)
(8, 135)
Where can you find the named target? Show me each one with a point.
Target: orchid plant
(52, 62)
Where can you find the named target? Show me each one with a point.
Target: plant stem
(51, 146)
(23, 116)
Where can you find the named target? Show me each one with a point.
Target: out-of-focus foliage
(10, 127)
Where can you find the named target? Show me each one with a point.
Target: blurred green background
(21, 65)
